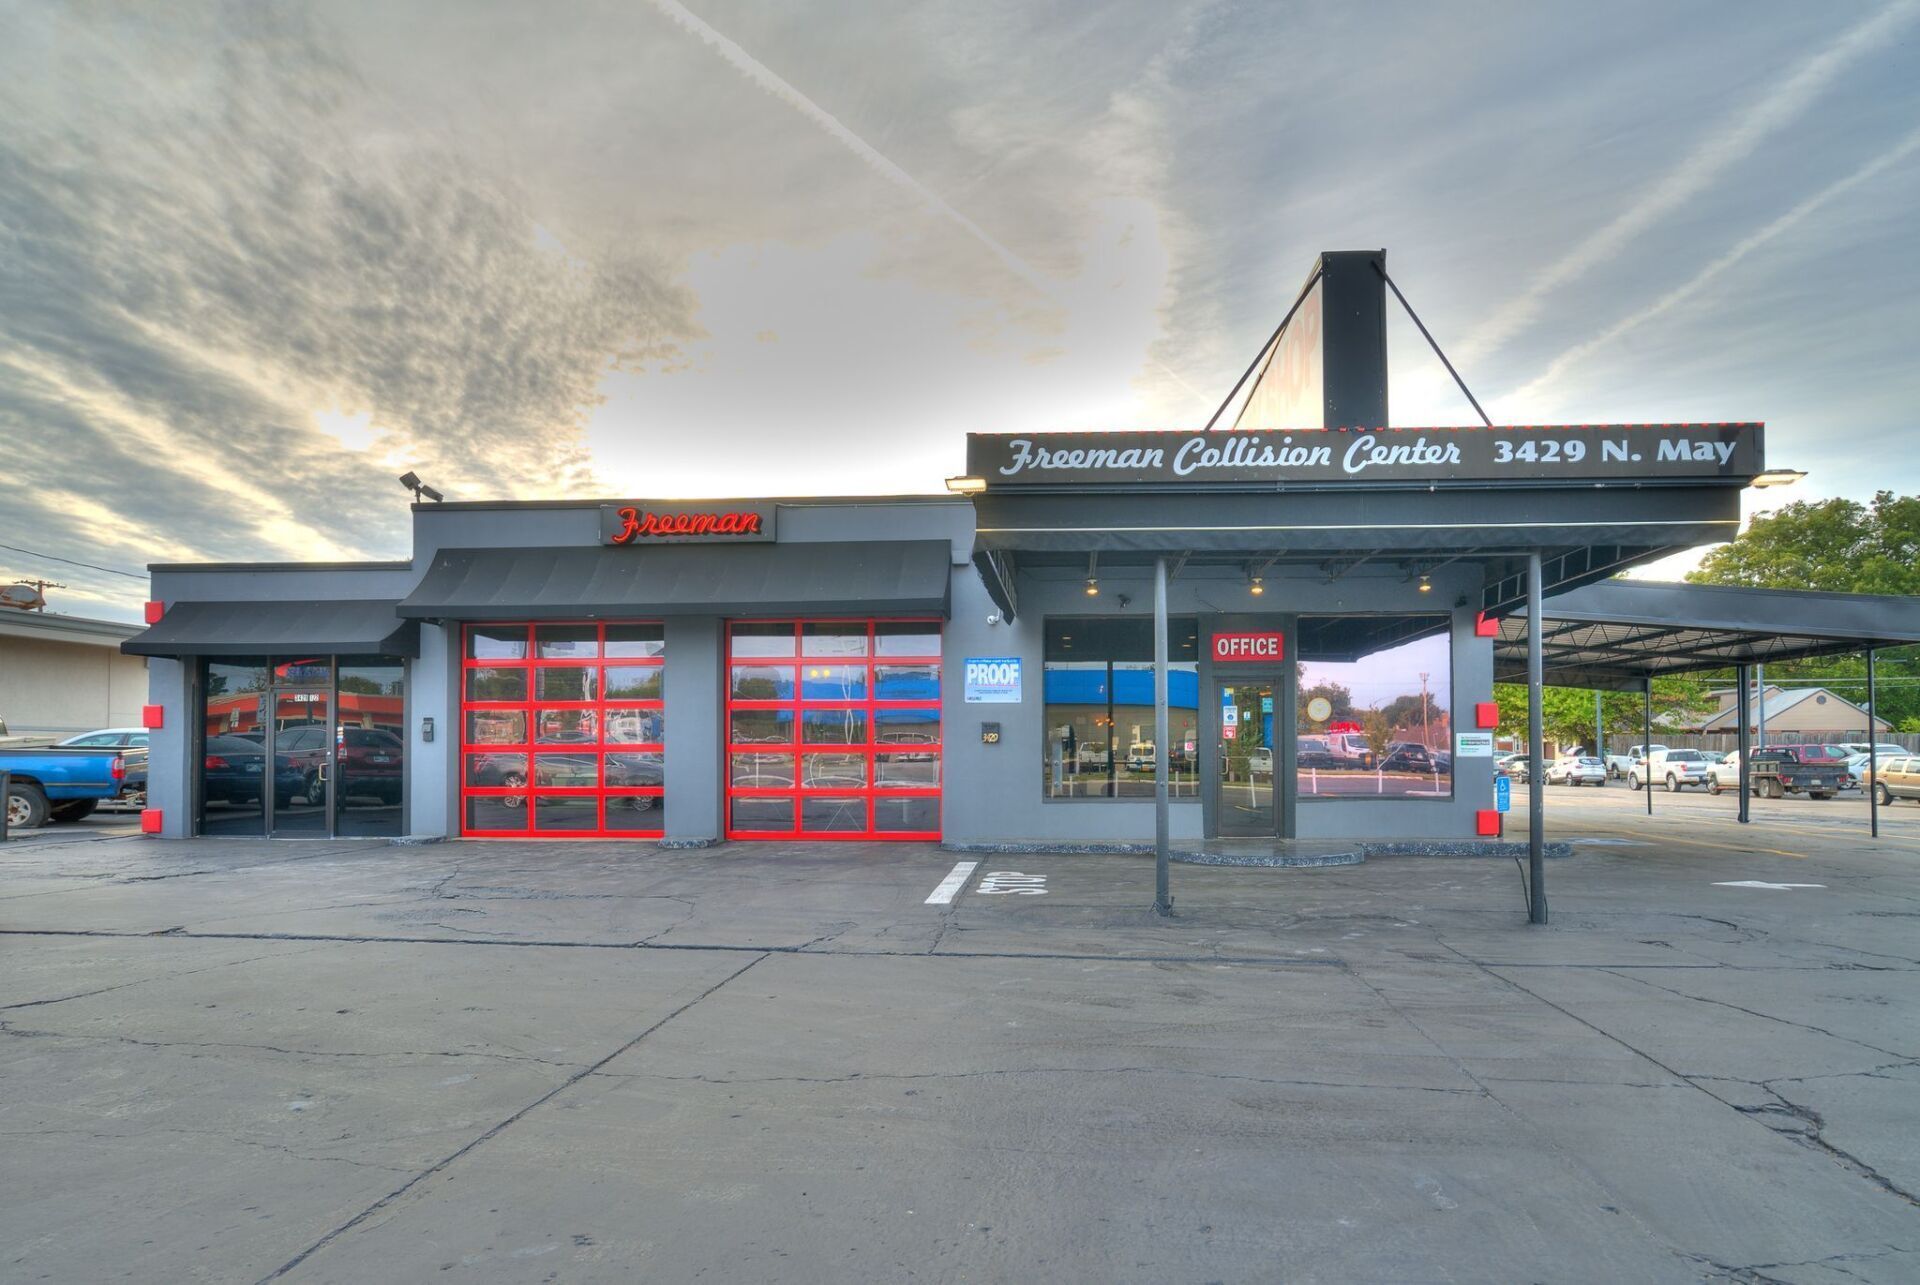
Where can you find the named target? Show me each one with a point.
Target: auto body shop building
(975, 667)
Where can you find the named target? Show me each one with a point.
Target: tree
(1378, 730)
(1566, 713)
(1840, 546)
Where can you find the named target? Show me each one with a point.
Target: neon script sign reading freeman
(634, 524)
(631, 524)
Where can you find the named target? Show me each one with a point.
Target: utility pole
(1426, 731)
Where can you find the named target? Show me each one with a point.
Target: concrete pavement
(507, 1061)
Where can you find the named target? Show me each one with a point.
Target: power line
(91, 566)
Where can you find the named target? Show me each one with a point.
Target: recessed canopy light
(1779, 477)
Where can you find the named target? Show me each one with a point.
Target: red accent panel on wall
(1486, 822)
(152, 716)
(150, 820)
(155, 610)
(1486, 714)
(1486, 626)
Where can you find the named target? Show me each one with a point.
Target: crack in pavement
(17, 1032)
(1751, 1012)
(858, 1077)
(1847, 1161)
(495, 1131)
(1249, 961)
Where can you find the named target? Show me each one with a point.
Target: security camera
(1123, 600)
(993, 617)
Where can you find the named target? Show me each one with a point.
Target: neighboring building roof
(57, 628)
(1797, 705)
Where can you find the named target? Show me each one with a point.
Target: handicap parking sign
(1502, 794)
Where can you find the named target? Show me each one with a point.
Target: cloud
(204, 243)
(1734, 138)
(1542, 384)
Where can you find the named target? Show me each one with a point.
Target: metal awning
(821, 579)
(1619, 633)
(325, 628)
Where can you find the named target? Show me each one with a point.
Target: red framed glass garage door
(833, 729)
(562, 731)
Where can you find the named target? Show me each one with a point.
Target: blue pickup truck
(55, 783)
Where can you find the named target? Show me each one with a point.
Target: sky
(257, 260)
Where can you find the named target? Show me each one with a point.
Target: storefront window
(1374, 707)
(1099, 716)
(282, 737)
(564, 730)
(833, 729)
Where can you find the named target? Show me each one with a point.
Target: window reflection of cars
(1140, 756)
(1092, 754)
(1407, 757)
(233, 771)
(1260, 761)
(647, 771)
(370, 760)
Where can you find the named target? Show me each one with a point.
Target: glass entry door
(1248, 802)
(300, 750)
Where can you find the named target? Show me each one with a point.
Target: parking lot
(341, 1061)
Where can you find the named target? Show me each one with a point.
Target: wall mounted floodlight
(1254, 586)
(1093, 587)
(1779, 477)
(966, 485)
(1426, 585)
(420, 489)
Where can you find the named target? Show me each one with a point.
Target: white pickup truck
(1618, 765)
(1676, 769)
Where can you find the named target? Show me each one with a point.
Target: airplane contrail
(1737, 138)
(765, 77)
(1734, 254)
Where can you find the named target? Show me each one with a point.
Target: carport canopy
(1617, 634)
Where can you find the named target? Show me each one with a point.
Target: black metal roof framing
(1619, 633)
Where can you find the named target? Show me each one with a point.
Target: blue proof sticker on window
(992, 680)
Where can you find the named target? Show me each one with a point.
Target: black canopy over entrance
(1622, 634)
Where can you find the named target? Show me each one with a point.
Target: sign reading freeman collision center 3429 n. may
(634, 524)
(1633, 453)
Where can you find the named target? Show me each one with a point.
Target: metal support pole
(1536, 770)
(1745, 742)
(1599, 729)
(1646, 739)
(1760, 718)
(1162, 896)
(1873, 754)
(6, 785)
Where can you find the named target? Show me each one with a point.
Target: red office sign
(634, 524)
(1249, 648)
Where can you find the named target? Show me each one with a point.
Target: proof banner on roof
(1543, 455)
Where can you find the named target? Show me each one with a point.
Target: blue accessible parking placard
(1502, 794)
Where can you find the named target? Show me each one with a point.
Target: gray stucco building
(976, 667)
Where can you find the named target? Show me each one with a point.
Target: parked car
(1618, 765)
(1780, 770)
(1260, 761)
(1092, 754)
(1351, 749)
(55, 783)
(1899, 778)
(1577, 769)
(1516, 767)
(1140, 756)
(132, 744)
(1676, 769)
